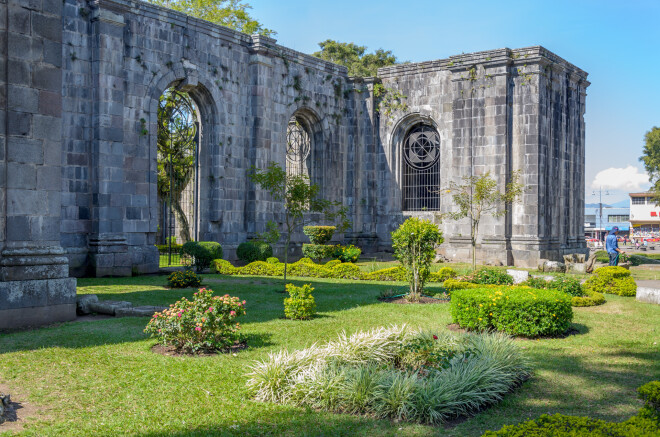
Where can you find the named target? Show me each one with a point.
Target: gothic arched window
(421, 169)
(298, 146)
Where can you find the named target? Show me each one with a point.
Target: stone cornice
(489, 59)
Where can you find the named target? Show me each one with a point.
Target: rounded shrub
(202, 252)
(442, 275)
(613, 280)
(521, 311)
(223, 267)
(567, 284)
(346, 271)
(590, 298)
(300, 304)
(318, 251)
(254, 251)
(319, 234)
(184, 279)
(272, 260)
(206, 323)
(261, 268)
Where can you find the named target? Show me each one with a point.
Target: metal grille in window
(421, 169)
(298, 145)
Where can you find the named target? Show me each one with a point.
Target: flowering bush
(207, 323)
(347, 254)
(184, 279)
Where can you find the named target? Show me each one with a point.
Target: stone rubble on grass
(83, 302)
(551, 266)
(519, 276)
(90, 303)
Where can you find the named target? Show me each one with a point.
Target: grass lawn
(100, 377)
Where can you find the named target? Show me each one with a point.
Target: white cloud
(624, 179)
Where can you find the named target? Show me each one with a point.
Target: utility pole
(600, 207)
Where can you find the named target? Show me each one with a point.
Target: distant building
(611, 216)
(644, 216)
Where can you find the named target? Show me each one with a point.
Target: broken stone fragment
(83, 302)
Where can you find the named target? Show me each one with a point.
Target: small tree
(414, 245)
(478, 196)
(299, 197)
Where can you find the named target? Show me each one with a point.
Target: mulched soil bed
(171, 351)
(422, 300)
(454, 327)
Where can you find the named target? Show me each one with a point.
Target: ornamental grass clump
(204, 324)
(414, 246)
(613, 280)
(394, 373)
(520, 311)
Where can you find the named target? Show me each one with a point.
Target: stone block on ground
(142, 311)
(648, 294)
(83, 302)
(577, 268)
(108, 306)
(518, 276)
(552, 266)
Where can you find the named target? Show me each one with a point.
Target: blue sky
(616, 42)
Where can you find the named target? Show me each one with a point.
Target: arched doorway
(178, 169)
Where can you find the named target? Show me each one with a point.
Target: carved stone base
(37, 302)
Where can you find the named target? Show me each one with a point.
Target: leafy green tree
(299, 197)
(176, 152)
(651, 159)
(354, 57)
(230, 13)
(477, 196)
(414, 246)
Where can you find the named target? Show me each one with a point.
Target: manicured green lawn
(100, 377)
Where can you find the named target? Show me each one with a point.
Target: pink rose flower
(232, 313)
(198, 329)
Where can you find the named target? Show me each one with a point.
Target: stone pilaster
(34, 283)
(107, 242)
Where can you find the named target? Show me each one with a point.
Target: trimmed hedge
(573, 426)
(319, 234)
(254, 251)
(202, 252)
(456, 284)
(645, 424)
(318, 251)
(305, 267)
(397, 273)
(520, 311)
(592, 298)
(613, 280)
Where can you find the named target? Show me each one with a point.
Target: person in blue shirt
(612, 246)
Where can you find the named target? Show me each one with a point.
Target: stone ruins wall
(81, 82)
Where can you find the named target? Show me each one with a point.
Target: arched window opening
(178, 186)
(421, 169)
(298, 147)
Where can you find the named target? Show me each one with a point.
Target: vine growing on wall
(390, 100)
